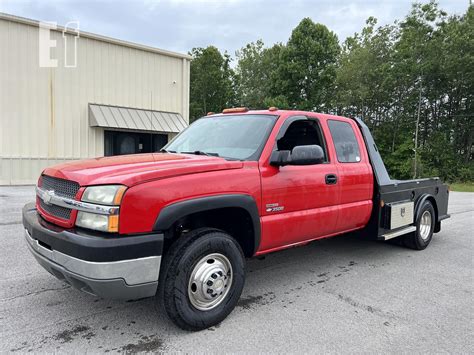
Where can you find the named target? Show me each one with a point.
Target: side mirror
(300, 155)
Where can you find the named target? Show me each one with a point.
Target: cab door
(299, 203)
(356, 180)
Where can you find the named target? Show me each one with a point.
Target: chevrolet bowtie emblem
(47, 197)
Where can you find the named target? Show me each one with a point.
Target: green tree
(308, 69)
(435, 53)
(211, 82)
(457, 66)
(412, 82)
(257, 75)
(365, 79)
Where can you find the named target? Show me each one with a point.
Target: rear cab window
(345, 141)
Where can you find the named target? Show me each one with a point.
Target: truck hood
(137, 168)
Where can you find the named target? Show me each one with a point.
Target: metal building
(101, 96)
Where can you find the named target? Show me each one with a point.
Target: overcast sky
(180, 25)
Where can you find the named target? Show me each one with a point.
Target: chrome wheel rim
(210, 281)
(425, 225)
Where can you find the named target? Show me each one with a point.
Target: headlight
(104, 195)
(100, 222)
(93, 221)
(110, 195)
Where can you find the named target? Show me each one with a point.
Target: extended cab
(178, 224)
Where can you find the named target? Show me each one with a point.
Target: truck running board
(398, 233)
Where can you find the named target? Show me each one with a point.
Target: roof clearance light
(210, 113)
(235, 109)
(273, 108)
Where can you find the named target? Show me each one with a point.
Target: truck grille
(65, 188)
(57, 211)
(61, 187)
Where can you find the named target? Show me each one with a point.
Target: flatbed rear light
(235, 110)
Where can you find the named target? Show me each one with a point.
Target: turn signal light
(119, 194)
(235, 109)
(113, 224)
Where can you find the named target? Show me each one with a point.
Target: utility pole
(415, 174)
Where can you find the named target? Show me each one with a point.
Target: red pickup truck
(178, 224)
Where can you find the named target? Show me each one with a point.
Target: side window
(345, 142)
(302, 132)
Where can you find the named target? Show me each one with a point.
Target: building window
(345, 141)
(118, 142)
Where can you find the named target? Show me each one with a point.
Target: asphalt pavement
(340, 295)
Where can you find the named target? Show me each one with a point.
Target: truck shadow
(313, 264)
(326, 253)
(272, 281)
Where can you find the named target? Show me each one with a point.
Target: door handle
(331, 179)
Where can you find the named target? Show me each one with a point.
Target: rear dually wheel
(425, 224)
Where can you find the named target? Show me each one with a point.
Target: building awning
(135, 119)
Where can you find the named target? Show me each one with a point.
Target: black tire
(177, 267)
(419, 240)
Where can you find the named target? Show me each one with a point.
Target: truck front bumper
(117, 267)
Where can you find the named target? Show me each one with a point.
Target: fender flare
(420, 202)
(172, 213)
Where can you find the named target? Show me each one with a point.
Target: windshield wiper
(166, 151)
(200, 152)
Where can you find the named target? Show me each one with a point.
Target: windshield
(239, 137)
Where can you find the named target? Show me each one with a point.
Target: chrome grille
(57, 211)
(61, 187)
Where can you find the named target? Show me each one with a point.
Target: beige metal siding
(44, 111)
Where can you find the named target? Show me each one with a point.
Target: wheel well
(235, 221)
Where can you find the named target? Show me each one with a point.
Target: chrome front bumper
(124, 279)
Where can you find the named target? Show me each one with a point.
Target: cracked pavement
(339, 295)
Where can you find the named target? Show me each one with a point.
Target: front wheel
(202, 278)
